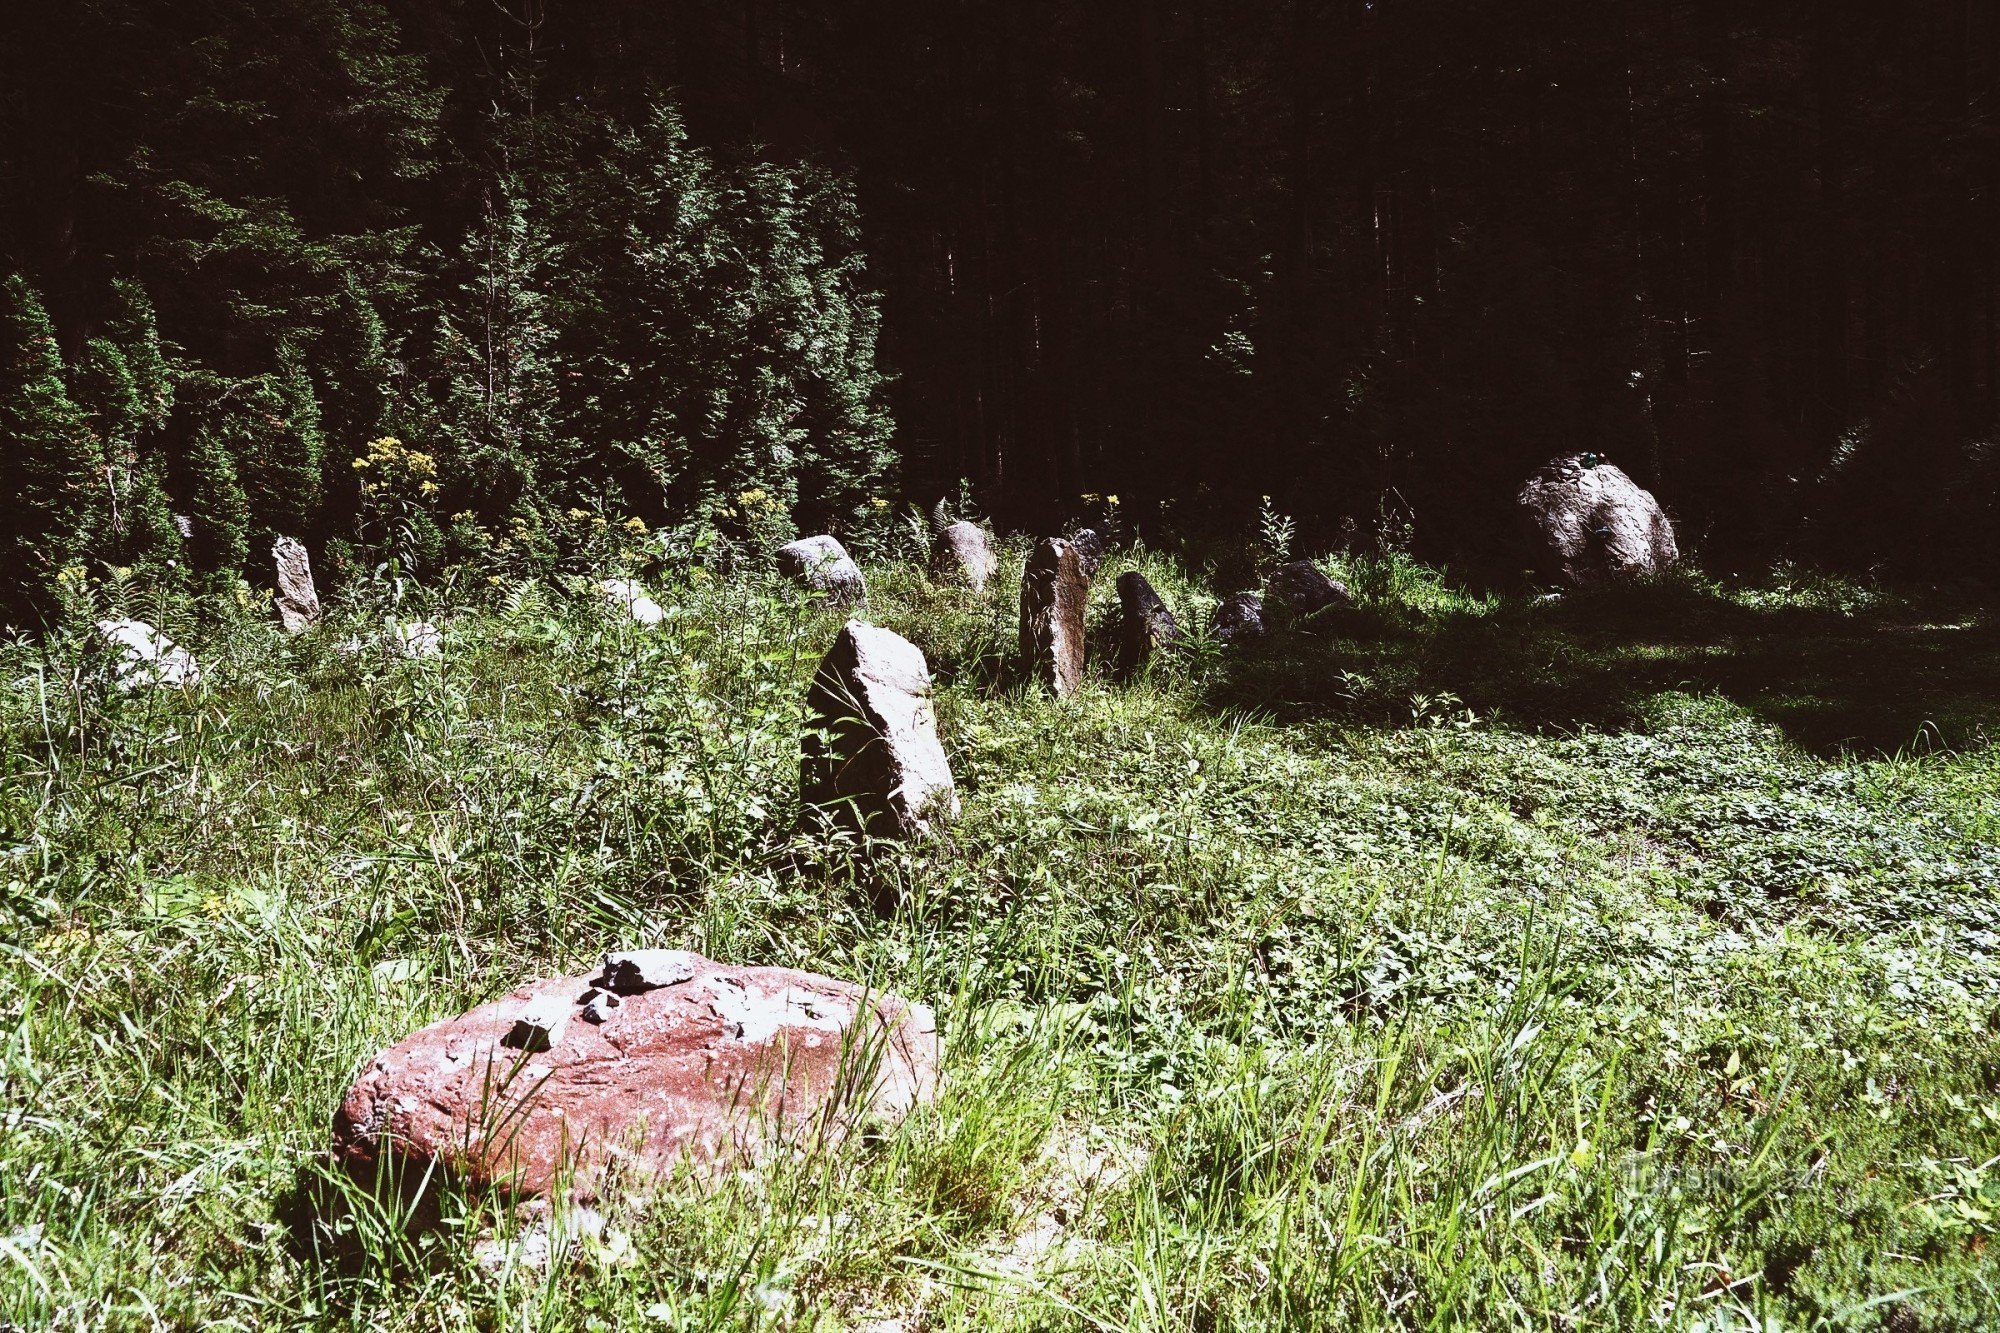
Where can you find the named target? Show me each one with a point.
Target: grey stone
(1055, 593)
(1303, 591)
(1089, 544)
(1239, 616)
(144, 656)
(1144, 623)
(539, 1025)
(298, 600)
(1588, 523)
(599, 1004)
(415, 638)
(636, 971)
(871, 754)
(823, 565)
(964, 552)
(629, 596)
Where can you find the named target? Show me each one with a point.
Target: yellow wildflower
(429, 488)
(361, 465)
(1111, 500)
(635, 525)
(578, 515)
(879, 502)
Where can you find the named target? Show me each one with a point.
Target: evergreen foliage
(51, 464)
(217, 508)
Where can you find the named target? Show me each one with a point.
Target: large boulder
(1237, 617)
(1302, 590)
(1055, 593)
(618, 1077)
(298, 600)
(141, 655)
(871, 753)
(631, 597)
(964, 552)
(414, 639)
(1144, 623)
(1588, 523)
(823, 565)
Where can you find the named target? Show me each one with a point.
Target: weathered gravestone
(1144, 623)
(1239, 616)
(1055, 593)
(871, 755)
(1301, 590)
(1588, 523)
(823, 565)
(298, 600)
(617, 1078)
(141, 655)
(963, 551)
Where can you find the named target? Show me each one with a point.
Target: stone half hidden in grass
(822, 565)
(593, 1083)
(870, 756)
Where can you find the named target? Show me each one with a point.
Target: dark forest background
(1375, 259)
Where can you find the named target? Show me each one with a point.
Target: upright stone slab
(1303, 591)
(1144, 623)
(1588, 523)
(298, 600)
(617, 1078)
(963, 552)
(1239, 616)
(823, 565)
(1055, 593)
(871, 756)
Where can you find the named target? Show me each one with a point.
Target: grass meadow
(1473, 961)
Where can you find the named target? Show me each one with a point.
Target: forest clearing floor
(1469, 961)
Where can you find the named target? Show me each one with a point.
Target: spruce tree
(219, 513)
(135, 332)
(50, 464)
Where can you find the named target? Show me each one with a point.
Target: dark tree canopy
(1374, 258)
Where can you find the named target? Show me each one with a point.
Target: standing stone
(628, 594)
(144, 656)
(716, 1069)
(871, 755)
(298, 600)
(823, 565)
(1144, 623)
(963, 551)
(1089, 544)
(1588, 523)
(1055, 592)
(1303, 591)
(1240, 616)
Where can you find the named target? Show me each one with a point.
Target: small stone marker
(1144, 623)
(823, 565)
(871, 754)
(1588, 523)
(298, 600)
(715, 1072)
(1089, 544)
(628, 594)
(964, 552)
(415, 638)
(1303, 591)
(1240, 616)
(1055, 593)
(144, 656)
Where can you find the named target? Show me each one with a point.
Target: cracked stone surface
(714, 1070)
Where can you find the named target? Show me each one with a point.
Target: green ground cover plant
(1466, 960)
